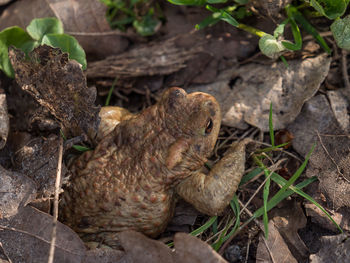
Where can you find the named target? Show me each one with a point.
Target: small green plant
(275, 45)
(40, 31)
(144, 15)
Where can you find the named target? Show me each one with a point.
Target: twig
(3, 250)
(344, 68)
(55, 204)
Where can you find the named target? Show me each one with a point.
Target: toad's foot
(211, 193)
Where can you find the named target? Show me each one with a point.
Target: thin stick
(344, 68)
(55, 204)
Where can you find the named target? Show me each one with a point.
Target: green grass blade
(204, 227)
(296, 35)
(249, 176)
(308, 27)
(272, 148)
(285, 63)
(280, 180)
(265, 199)
(110, 92)
(81, 148)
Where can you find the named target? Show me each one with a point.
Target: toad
(144, 162)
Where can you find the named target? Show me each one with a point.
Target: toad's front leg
(211, 193)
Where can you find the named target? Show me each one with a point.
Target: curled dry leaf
(286, 88)
(4, 120)
(274, 247)
(26, 237)
(333, 249)
(159, 58)
(59, 85)
(331, 158)
(16, 190)
(38, 160)
(84, 19)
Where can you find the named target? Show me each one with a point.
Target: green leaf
(270, 46)
(43, 26)
(67, 44)
(146, 26)
(188, 2)
(331, 9)
(341, 32)
(17, 37)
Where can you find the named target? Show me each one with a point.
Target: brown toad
(144, 162)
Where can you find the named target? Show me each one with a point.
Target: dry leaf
(286, 88)
(84, 19)
(16, 190)
(4, 120)
(330, 161)
(320, 218)
(59, 85)
(339, 105)
(333, 249)
(288, 220)
(189, 249)
(105, 256)
(26, 237)
(139, 248)
(274, 247)
(38, 160)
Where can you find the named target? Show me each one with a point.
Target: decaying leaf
(330, 161)
(334, 249)
(4, 120)
(38, 160)
(26, 237)
(286, 88)
(274, 247)
(84, 19)
(59, 85)
(16, 190)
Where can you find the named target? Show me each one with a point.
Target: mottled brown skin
(133, 177)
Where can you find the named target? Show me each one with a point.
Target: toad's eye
(209, 127)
